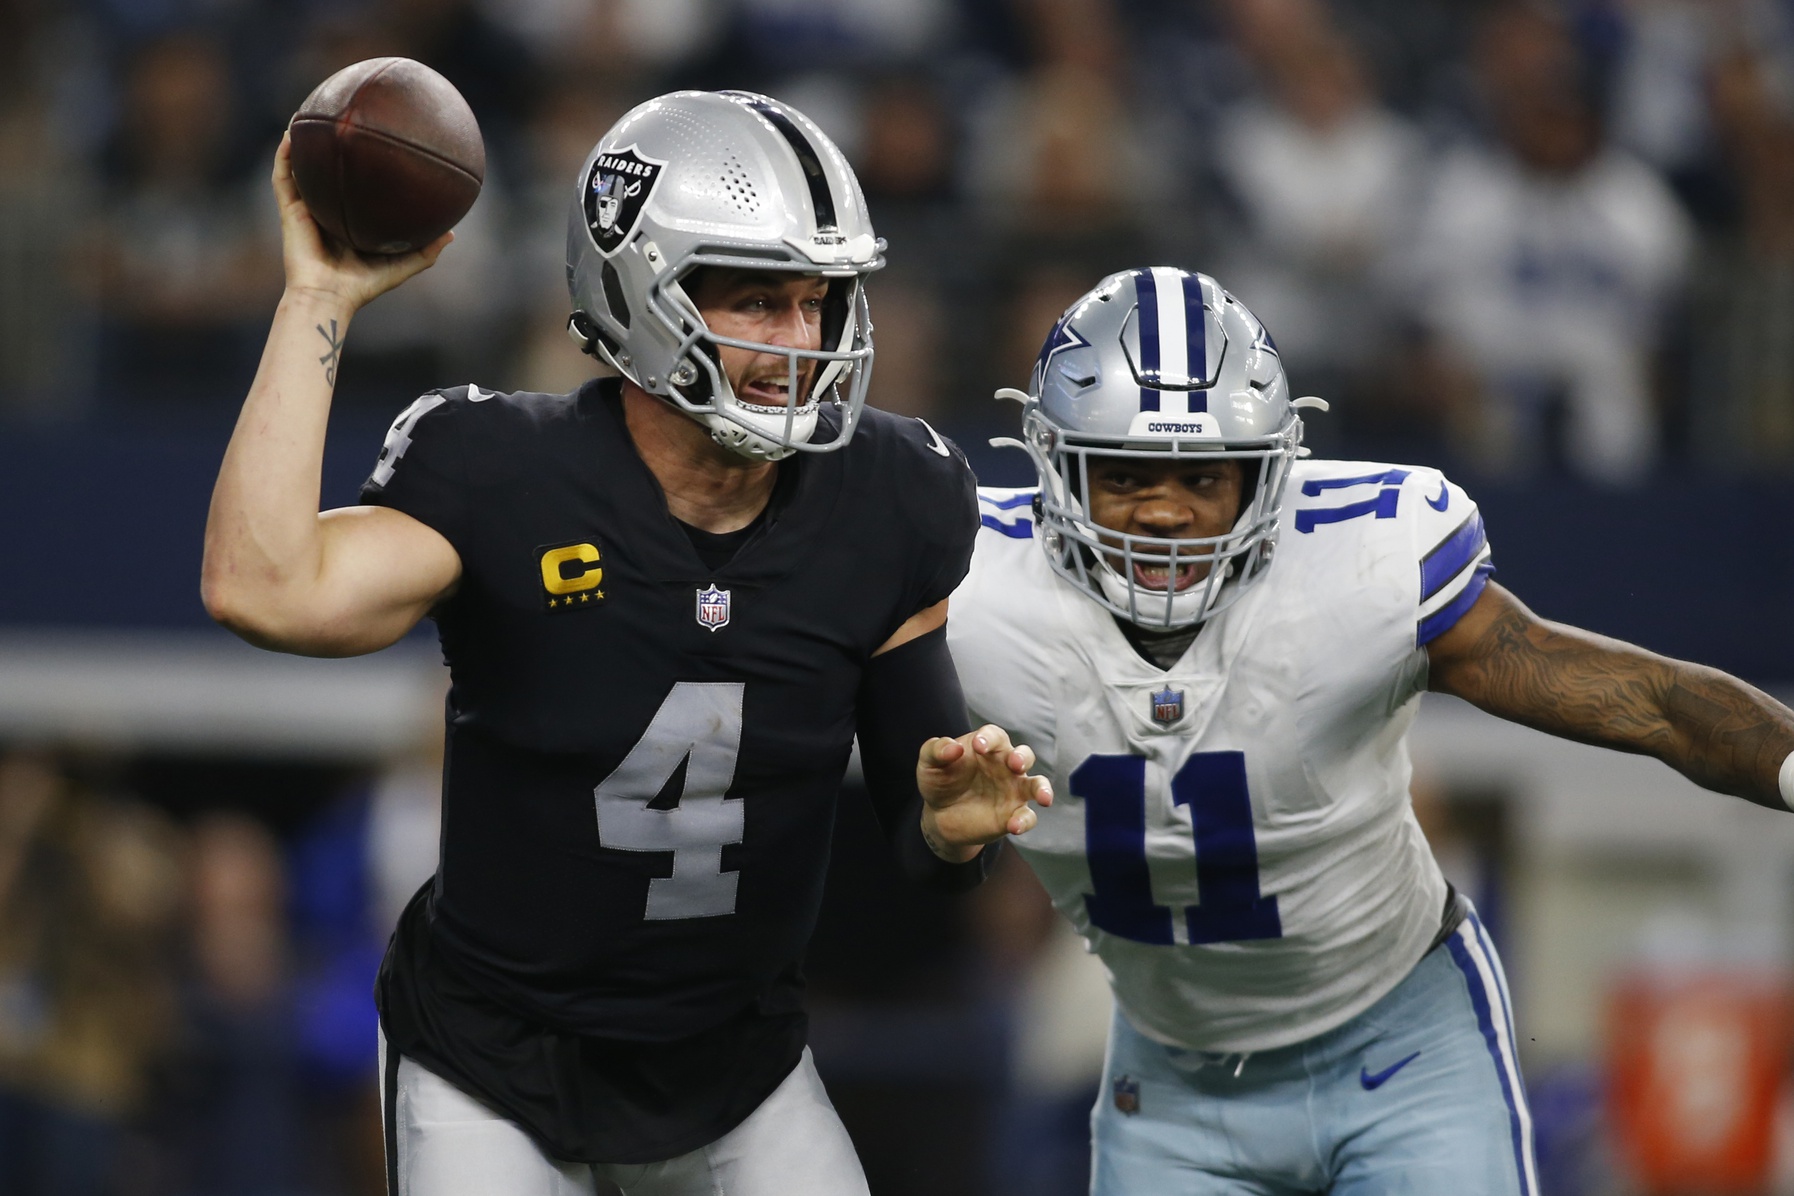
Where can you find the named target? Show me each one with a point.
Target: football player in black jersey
(669, 602)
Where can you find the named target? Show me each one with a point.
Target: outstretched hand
(317, 262)
(976, 789)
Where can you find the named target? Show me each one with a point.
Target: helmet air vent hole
(740, 187)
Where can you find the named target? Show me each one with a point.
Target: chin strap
(743, 442)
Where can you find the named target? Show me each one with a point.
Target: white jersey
(1234, 835)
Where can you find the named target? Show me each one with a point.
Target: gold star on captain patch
(585, 597)
(552, 603)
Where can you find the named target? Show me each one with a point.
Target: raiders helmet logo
(616, 190)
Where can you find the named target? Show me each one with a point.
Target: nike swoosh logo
(1444, 499)
(938, 445)
(1373, 1082)
(476, 395)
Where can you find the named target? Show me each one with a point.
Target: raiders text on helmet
(721, 179)
(1159, 363)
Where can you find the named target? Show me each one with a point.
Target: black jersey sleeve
(908, 696)
(421, 469)
(939, 497)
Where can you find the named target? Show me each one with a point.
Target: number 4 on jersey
(1213, 785)
(699, 726)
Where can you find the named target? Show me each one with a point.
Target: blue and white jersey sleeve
(1007, 512)
(995, 619)
(1453, 552)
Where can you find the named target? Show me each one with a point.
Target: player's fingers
(1043, 790)
(1023, 820)
(434, 249)
(1021, 759)
(283, 160)
(941, 751)
(990, 739)
(419, 260)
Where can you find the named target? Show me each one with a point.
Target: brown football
(387, 155)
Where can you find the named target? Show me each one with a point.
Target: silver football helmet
(695, 179)
(1159, 363)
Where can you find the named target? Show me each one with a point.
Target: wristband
(1787, 781)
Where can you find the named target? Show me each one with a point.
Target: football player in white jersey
(1217, 648)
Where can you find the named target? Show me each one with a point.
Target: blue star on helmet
(1063, 336)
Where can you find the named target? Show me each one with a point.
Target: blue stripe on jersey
(1146, 297)
(1021, 529)
(1452, 556)
(1447, 616)
(1389, 477)
(1013, 501)
(1195, 339)
(1485, 1019)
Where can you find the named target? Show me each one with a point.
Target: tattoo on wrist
(329, 360)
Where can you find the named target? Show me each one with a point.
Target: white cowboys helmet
(696, 179)
(1159, 363)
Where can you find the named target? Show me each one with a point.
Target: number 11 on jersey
(1213, 786)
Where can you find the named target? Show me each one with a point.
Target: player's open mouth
(767, 392)
(1157, 577)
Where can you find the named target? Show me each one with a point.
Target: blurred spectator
(1324, 177)
(904, 160)
(89, 889)
(489, 65)
(1546, 263)
(618, 40)
(1663, 102)
(240, 1124)
(41, 207)
(574, 113)
(1058, 155)
(911, 328)
(1742, 405)
(188, 268)
(778, 37)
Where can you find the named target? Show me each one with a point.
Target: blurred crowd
(1509, 235)
(186, 994)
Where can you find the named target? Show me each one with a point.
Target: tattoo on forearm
(329, 360)
(1713, 728)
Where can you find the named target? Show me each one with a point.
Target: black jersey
(643, 752)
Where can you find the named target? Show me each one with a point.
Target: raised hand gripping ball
(387, 155)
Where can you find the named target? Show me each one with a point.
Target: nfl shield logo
(1167, 706)
(1127, 1095)
(713, 608)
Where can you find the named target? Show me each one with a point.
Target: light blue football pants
(1420, 1094)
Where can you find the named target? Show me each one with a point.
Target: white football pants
(449, 1144)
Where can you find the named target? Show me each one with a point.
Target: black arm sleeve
(907, 696)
